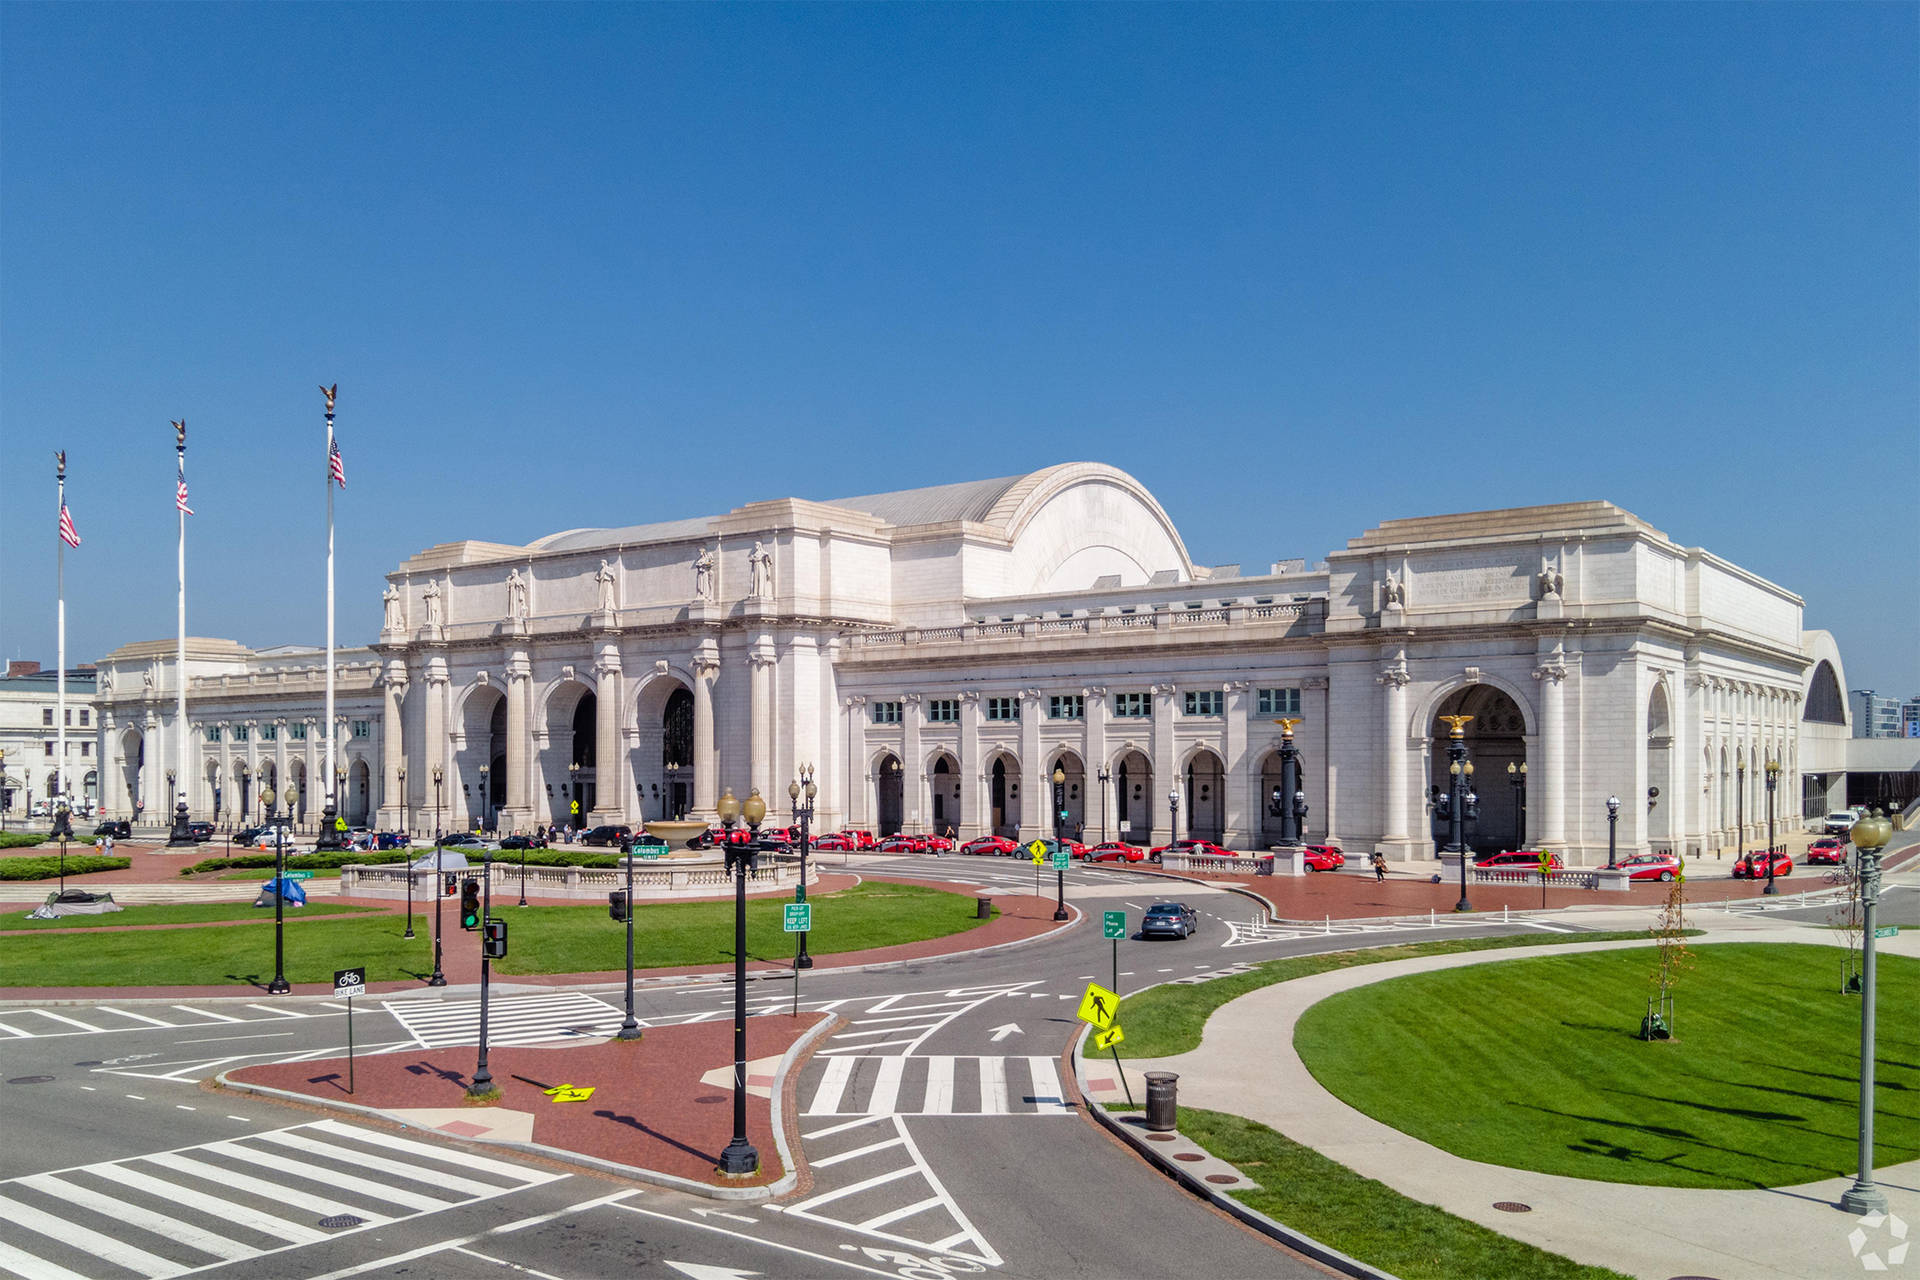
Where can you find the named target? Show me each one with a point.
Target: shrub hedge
(47, 866)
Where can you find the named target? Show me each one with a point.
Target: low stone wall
(652, 878)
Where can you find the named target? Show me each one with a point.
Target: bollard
(1163, 1101)
(983, 907)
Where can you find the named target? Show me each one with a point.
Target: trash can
(1163, 1101)
(983, 907)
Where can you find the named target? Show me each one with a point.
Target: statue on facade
(761, 562)
(391, 598)
(703, 575)
(146, 681)
(516, 596)
(605, 579)
(1396, 591)
(432, 594)
(1550, 580)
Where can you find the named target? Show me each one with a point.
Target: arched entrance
(663, 748)
(297, 785)
(889, 790)
(1495, 738)
(1133, 804)
(1074, 799)
(1205, 796)
(571, 722)
(213, 792)
(1661, 793)
(1003, 796)
(359, 793)
(483, 726)
(943, 785)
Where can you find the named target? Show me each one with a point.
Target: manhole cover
(1189, 1156)
(1221, 1179)
(30, 1080)
(1512, 1206)
(340, 1220)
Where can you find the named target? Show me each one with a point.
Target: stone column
(973, 797)
(913, 782)
(311, 758)
(1242, 827)
(1167, 774)
(1036, 791)
(611, 786)
(760, 659)
(1395, 839)
(857, 786)
(280, 762)
(433, 741)
(706, 760)
(1551, 805)
(1317, 706)
(392, 745)
(520, 811)
(1094, 748)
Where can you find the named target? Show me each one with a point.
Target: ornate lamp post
(1173, 813)
(279, 986)
(801, 792)
(1613, 820)
(630, 1025)
(246, 785)
(439, 978)
(486, 801)
(740, 1159)
(1773, 780)
(400, 777)
(1288, 799)
(1517, 778)
(666, 795)
(180, 836)
(1059, 825)
(1869, 836)
(400, 773)
(1104, 776)
(573, 791)
(1459, 779)
(339, 789)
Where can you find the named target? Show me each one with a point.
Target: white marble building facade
(936, 653)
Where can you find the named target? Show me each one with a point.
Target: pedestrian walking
(106, 843)
(1379, 865)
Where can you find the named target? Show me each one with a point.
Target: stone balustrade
(652, 878)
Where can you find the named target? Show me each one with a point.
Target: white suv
(1840, 822)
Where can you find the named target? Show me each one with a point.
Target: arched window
(1825, 705)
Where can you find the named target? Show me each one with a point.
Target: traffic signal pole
(482, 1078)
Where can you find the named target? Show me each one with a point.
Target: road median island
(660, 1109)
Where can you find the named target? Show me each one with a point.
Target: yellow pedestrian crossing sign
(1039, 851)
(1099, 1006)
(1108, 1038)
(570, 1093)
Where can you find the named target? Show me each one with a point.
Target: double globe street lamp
(740, 1159)
(1773, 781)
(1869, 836)
(279, 985)
(1059, 826)
(801, 792)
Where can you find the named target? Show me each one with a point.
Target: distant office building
(1874, 716)
(1910, 718)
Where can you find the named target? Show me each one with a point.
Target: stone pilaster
(612, 781)
(1395, 839)
(706, 757)
(973, 798)
(1550, 777)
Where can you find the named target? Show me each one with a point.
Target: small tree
(1847, 915)
(1671, 959)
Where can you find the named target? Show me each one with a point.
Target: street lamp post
(400, 773)
(1869, 836)
(1517, 777)
(666, 794)
(482, 1083)
(1059, 827)
(1773, 780)
(801, 792)
(1173, 814)
(246, 786)
(1459, 780)
(180, 836)
(630, 1025)
(740, 1159)
(486, 802)
(1613, 820)
(1103, 775)
(439, 978)
(1289, 799)
(279, 986)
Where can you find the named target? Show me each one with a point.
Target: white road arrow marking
(722, 1213)
(1004, 1030)
(701, 1271)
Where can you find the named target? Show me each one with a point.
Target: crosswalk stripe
(208, 1013)
(326, 1207)
(72, 1022)
(377, 1164)
(265, 1223)
(904, 1211)
(101, 1246)
(1048, 1096)
(146, 1219)
(137, 1017)
(22, 1263)
(832, 1129)
(833, 1083)
(276, 1009)
(15, 1031)
(939, 1085)
(886, 1088)
(318, 1173)
(465, 1159)
(828, 1161)
(993, 1087)
(864, 1184)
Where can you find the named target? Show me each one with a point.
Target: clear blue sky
(1298, 268)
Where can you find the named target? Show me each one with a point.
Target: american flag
(180, 497)
(67, 534)
(336, 472)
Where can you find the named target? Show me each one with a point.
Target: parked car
(1324, 857)
(114, 827)
(253, 835)
(1839, 822)
(1515, 860)
(1829, 850)
(861, 839)
(462, 840)
(997, 846)
(835, 840)
(902, 844)
(608, 836)
(1191, 848)
(1651, 866)
(938, 844)
(1115, 851)
(1754, 866)
(200, 831)
(522, 842)
(1169, 920)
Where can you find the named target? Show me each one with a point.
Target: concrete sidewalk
(1246, 1065)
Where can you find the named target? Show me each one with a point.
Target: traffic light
(493, 940)
(617, 907)
(469, 904)
(452, 886)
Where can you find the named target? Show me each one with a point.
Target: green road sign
(1113, 924)
(299, 875)
(1060, 859)
(798, 917)
(1887, 931)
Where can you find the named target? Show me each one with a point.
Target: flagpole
(60, 589)
(179, 836)
(332, 788)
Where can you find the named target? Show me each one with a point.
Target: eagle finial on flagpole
(328, 393)
(179, 433)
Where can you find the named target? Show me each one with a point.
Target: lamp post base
(739, 1160)
(1771, 888)
(1060, 913)
(628, 1031)
(803, 961)
(437, 980)
(279, 986)
(1863, 1198)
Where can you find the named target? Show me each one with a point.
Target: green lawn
(1366, 1219)
(1168, 1019)
(181, 913)
(1542, 1069)
(541, 940)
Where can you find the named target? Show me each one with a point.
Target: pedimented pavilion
(937, 652)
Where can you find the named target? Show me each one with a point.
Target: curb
(779, 1186)
(1272, 1228)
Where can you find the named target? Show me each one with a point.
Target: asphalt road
(934, 1123)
